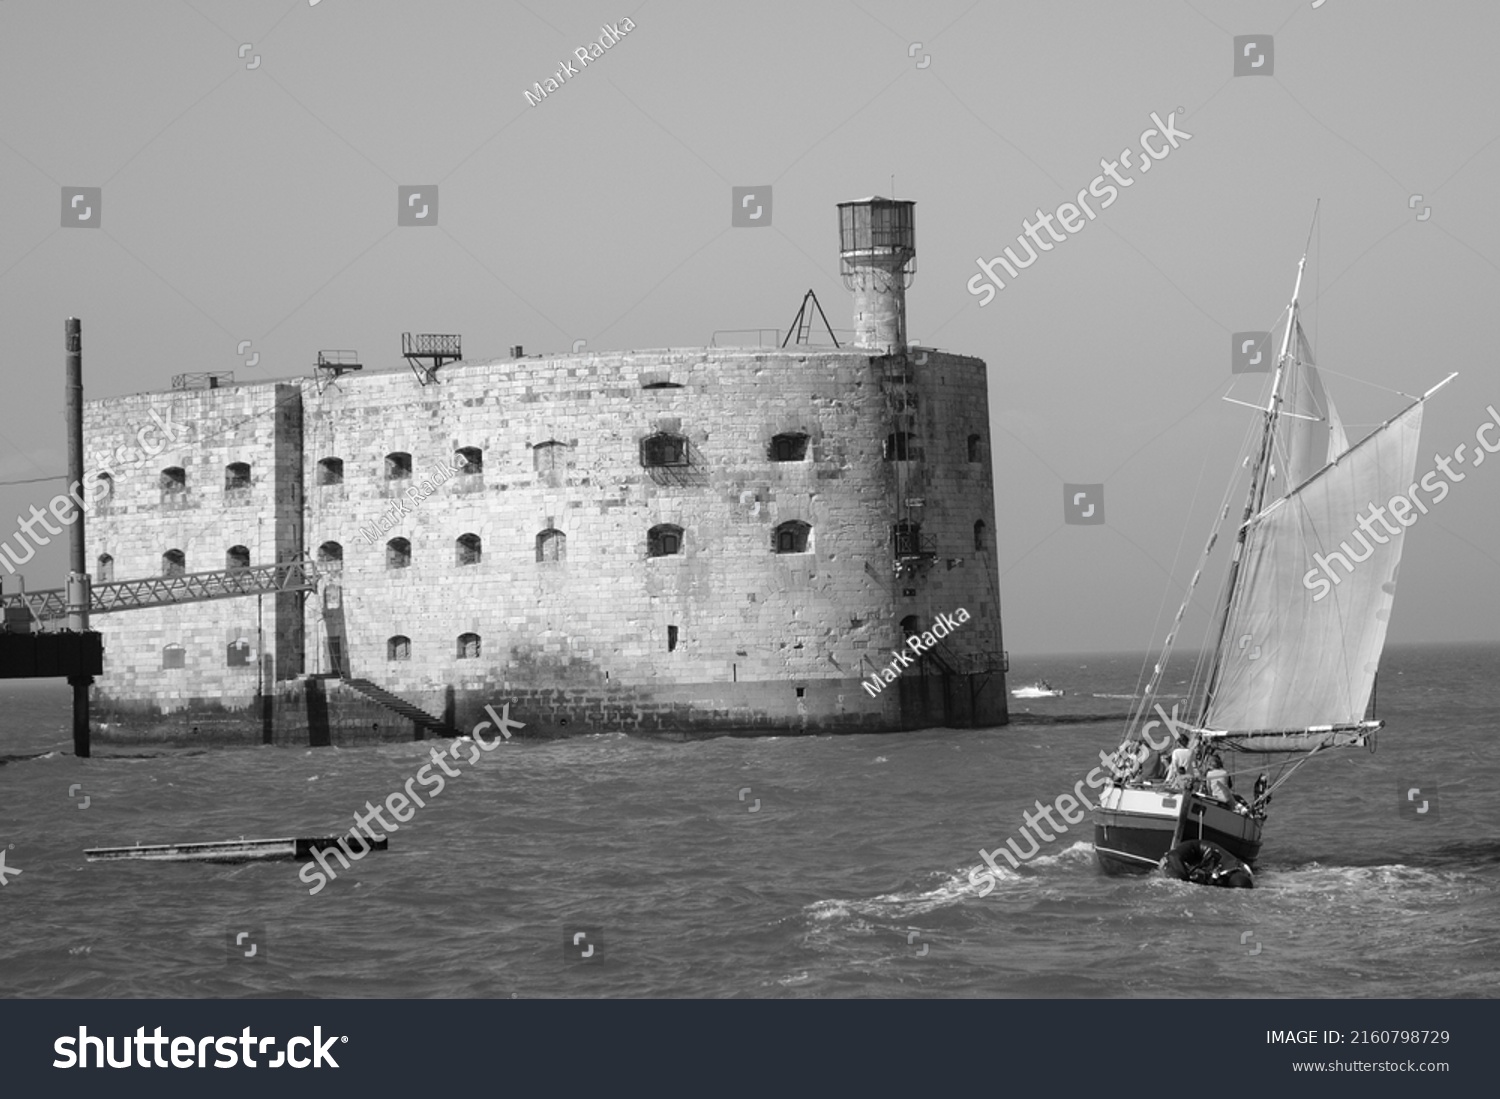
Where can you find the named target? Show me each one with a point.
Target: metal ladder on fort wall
(911, 551)
(331, 593)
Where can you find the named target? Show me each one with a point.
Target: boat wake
(1372, 883)
(948, 889)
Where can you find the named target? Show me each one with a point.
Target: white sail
(1312, 435)
(1308, 618)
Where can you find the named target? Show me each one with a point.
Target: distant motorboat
(1040, 689)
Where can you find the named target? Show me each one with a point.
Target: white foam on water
(953, 888)
(1082, 851)
(1368, 884)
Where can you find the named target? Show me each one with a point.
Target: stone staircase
(421, 718)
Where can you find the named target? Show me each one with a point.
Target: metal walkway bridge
(160, 591)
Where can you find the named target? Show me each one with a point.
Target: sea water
(766, 867)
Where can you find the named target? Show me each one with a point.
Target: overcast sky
(250, 154)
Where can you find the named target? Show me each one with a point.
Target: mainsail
(1307, 620)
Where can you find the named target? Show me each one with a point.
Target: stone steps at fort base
(399, 705)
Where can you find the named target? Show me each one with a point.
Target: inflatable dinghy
(1205, 863)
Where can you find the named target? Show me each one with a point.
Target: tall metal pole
(78, 576)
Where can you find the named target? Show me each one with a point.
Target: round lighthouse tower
(877, 257)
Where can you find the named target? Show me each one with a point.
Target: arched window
(173, 656)
(331, 555)
(911, 626)
(907, 537)
(472, 459)
(104, 490)
(551, 545)
(468, 646)
(398, 648)
(791, 537)
(900, 446)
(397, 553)
(979, 532)
(398, 466)
(236, 476)
(237, 557)
(664, 449)
(789, 448)
(106, 570)
(331, 471)
(238, 654)
(663, 540)
(549, 457)
(173, 485)
(469, 549)
(173, 563)
(976, 448)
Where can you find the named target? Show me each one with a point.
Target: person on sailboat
(1179, 765)
(1151, 765)
(1262, 796)
(1220, 786)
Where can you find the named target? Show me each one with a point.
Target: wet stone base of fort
(318, 711)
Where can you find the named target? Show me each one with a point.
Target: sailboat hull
(1135, 827)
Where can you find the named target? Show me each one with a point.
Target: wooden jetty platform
(240, 850)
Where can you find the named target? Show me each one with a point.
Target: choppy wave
(848, 879)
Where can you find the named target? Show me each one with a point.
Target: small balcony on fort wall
(671, 459)
(911, 548)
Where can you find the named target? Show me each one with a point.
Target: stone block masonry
(678, 542)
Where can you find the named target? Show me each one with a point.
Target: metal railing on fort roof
(216, 379)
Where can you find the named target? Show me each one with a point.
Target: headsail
(1307, 620)
(1312, 435)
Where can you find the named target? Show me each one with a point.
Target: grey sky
(260, 204)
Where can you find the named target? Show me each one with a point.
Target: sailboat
(1297, 641)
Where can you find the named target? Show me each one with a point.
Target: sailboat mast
(1259, 479)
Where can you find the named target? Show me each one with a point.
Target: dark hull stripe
(1129, 843)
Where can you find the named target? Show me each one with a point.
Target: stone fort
(675, 542)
